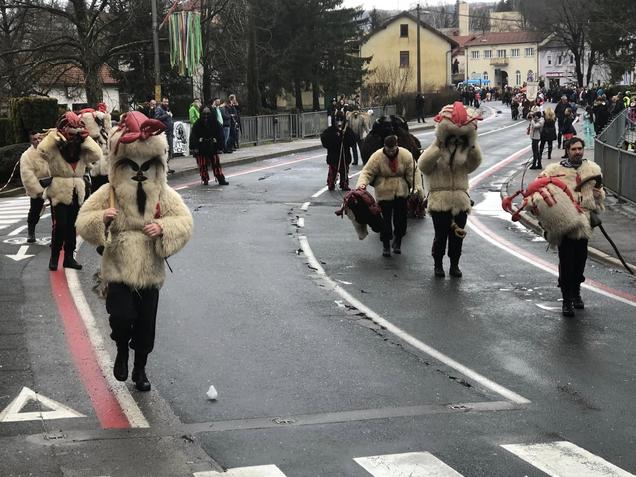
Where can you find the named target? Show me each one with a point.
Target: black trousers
(35, 208)
(133, 316)
(572, 258)
(63, 232)
(536, 154)
(441, 224)
(394, 216)
(542, 146)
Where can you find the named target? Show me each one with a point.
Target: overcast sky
(396, 4)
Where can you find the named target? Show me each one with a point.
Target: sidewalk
(186, 164)
(619, 220)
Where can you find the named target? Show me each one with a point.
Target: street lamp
(155, 45)
(419, 69)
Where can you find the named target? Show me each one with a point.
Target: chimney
(464, 19)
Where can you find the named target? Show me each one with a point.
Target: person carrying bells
(391, 172)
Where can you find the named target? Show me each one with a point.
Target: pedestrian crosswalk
(561, 458)
(13, 211)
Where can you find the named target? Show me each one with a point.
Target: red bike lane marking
(107, 408)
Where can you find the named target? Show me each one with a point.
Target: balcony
(499, 61)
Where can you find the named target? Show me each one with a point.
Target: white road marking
(119, 389)
(403, 335)
(305, 206)
(57, 410)
(547, 307)
(564, 459)
(301, 222)
(21, 254)
(255, 471)
(412, 464)
(18, 230)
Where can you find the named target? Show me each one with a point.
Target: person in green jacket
(195, 111)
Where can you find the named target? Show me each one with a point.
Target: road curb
(531, 223)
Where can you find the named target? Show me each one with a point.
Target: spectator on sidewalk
(419, 107)
(568, 130)
(559, 111)
(548, 132)
(535, 128)
(584, 179)
(226, 122)
(33, 167)
(206, 140)
(194, 112)
(600, 112)
(163, 114)
(237, 119)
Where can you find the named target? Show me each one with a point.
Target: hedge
(6, 132)
(32, 113)
(9, 155)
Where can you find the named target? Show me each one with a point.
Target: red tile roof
(500, 38)
(71, 75)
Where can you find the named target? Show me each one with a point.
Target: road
(329, 360)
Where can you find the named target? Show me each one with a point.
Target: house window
(530, 76)
(485, 76)
(529, 51)
(475, 54)
(560, 60)
(487, 53)
(549, 60)
(518, 77)
(514, 52)
(571, 59)
(404, 59)
(501, 53)
(404, 30)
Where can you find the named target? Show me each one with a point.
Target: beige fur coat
(65, 178)
(446, 182)
(99, 125)
(387, 184)
(33, 167)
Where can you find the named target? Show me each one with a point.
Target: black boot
(120, 369)
(439, 269)
(70, 262)
(139, 373)
(397, 245)
(55, 258)
(539, 166)
(568, 308)
(31, 234)
(533, 166)
(386, 248)
(454, 270)
(577, 301)
(222, 180)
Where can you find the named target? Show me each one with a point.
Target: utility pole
(155, 45)
(419, 68)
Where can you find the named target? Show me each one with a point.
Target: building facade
(503, 58)
(66, 84)
(393, 52)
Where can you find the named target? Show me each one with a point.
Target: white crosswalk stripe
(556, 459)
(412, 464)
(256, 471)
(13, 211)
(564, 459)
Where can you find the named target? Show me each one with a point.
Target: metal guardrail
(618, 164)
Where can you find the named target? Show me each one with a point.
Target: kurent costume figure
(98, 124)
(585, 181)
(391, 172)
(139, 221)
(68, 149)
(338, 139)
(446, 164)
(33, 167)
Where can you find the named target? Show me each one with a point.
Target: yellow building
(393, 52)
(503, 58)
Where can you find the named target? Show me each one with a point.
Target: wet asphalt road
(246, 312)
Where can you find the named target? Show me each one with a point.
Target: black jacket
(560, 111)
(548, 133)
(337, 142)
(207, 136)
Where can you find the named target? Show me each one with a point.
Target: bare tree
(386, 80)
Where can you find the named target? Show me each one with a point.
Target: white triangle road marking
(412, 464)
(564, 459)
(57, 410)
(255, 471)
(21, 255)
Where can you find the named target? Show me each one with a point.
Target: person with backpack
(548, 132)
